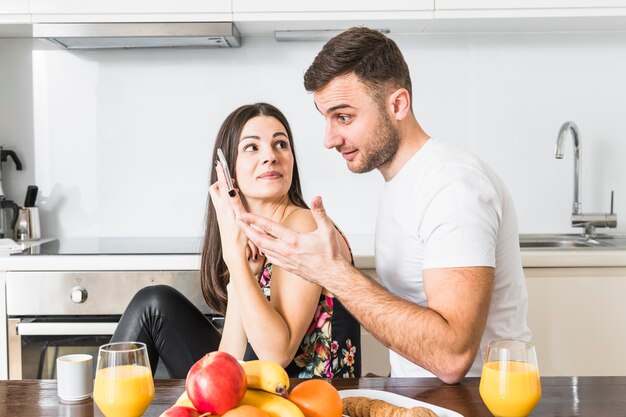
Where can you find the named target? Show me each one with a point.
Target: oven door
(35, 343)
(56, 313)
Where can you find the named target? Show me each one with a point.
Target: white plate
(397, 399)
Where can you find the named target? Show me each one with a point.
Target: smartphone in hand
(229, 180)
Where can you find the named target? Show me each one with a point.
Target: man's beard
(381, 146)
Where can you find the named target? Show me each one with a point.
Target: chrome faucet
(587, 221)
(571, 127)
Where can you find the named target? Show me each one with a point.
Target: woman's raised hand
(313, 256)
(228, 209)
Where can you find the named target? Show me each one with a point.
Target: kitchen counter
(175, 261)
(574, 258)
(561, 396)
(132, 254)
(135, 254)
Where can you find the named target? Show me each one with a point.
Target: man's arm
(443, 337)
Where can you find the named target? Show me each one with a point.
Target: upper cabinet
(528, 15)
(329, 6)
(130, 10)
(528, 7)
(14, 11)
(268, 16)
(253, 16)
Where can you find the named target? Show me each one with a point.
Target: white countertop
(362, 248)
(578, 258)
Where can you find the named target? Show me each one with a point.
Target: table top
(562, 396)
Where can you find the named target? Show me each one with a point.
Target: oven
(50, 314)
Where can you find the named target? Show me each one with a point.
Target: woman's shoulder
(300, 219)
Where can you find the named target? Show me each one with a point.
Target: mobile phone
(229, 180)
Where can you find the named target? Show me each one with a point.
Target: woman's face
(264, 160)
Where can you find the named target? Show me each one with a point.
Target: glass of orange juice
(509, 384)
(123, 385)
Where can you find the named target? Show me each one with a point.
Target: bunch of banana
(184, 401)
(274, 405)
(268, 383)
(266, 375)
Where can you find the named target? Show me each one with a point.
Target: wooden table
(562, 396)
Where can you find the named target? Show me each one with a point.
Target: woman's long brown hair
(214, 275)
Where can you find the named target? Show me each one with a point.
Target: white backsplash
(119, 142)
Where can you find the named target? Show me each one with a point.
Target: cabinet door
(286, 6)
(125, 10)
(525, 4)
(528, 15)
(254, 17)
(14, 11)
(577, 317)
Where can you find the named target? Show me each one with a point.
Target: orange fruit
(316, 398)
(245, 411)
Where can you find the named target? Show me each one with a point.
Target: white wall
(120, 140)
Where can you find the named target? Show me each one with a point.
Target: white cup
(74, 377)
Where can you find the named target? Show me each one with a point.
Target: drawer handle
(65, 329)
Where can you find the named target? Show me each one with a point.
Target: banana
(266, 375)
(272, 404)
(184, 401)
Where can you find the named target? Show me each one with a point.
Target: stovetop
(116, 246)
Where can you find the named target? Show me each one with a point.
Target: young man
(447, 251)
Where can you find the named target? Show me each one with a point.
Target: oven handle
(65, 329)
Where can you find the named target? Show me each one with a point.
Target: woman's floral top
(331, 345)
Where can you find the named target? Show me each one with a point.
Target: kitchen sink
(571, 241)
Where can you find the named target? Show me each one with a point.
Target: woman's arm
(293, 304)
(233, 335)
(275, 330)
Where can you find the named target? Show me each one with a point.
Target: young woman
(269, 312)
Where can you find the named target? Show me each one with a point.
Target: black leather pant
(172, 328)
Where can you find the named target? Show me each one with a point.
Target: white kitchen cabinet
(14, 11)
(130, 11)
(578, 320)
(253, 16)
(528, 15)
(526, 4)
(374, 355)
(348, 6)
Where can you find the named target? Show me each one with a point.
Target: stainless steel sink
(571, 241)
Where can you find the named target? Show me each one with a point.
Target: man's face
(356, 125)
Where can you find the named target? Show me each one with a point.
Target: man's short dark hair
(374, 58)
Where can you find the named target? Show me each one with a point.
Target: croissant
(367, 407)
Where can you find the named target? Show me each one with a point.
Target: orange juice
(123, 391)
(510, 392)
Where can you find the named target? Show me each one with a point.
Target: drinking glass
(123, 386)
(509, 385)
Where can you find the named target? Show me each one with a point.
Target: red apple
(179, 411)
(216, 383)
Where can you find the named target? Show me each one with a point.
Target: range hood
(139, 35)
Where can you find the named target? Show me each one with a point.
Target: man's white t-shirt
(446, 208)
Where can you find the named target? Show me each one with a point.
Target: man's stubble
(381, 146)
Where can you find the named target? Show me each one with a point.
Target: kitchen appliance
(139, 35)
(8, 208)
(27, 226)
(54, 313)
